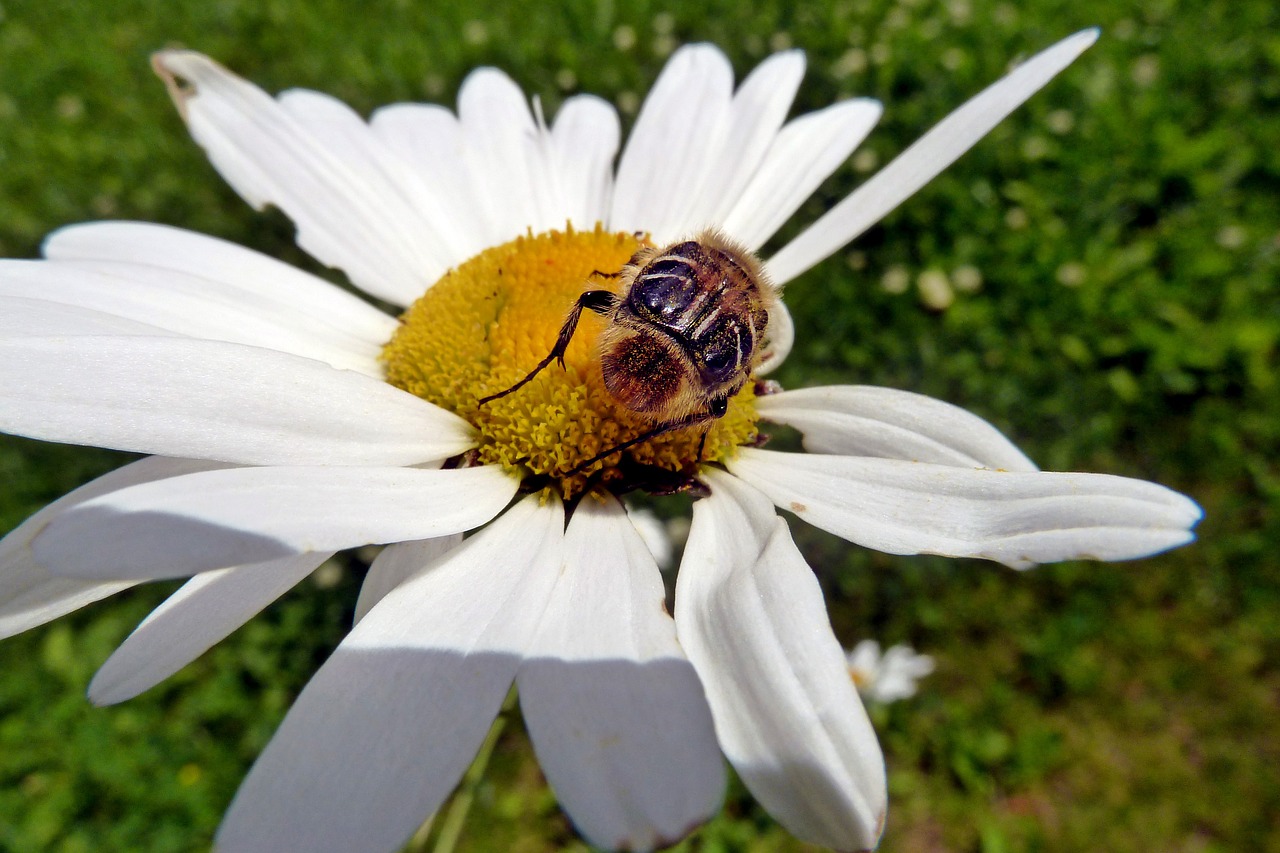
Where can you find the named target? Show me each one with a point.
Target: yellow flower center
(484, 325)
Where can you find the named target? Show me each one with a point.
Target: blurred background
(1098, 278)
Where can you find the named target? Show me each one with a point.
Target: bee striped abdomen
(688, 329)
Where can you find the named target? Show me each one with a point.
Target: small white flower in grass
(287, 419)
(890, 676)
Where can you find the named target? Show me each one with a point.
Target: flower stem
(456, 816)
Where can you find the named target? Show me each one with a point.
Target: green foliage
(1112, 252)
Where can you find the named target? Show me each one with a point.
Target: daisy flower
(285, 419)
(887, 677)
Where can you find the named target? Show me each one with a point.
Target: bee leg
(599, 301)
(718, 407)
(716, 410)
(654, 480)
(660, 429)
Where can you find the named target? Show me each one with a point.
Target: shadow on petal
(628, 746)
(824, 823)
(102, 542)
(374, 744)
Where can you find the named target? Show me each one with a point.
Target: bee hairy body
(688, 327)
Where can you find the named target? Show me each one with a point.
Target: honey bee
(685, 332)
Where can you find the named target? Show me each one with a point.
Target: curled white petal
(654, 534)
(750, 615)
(232, 517)
(387, 726)
(508, 156)
(864, 420)
(782, 336)
(1018, 518)
(349, 211)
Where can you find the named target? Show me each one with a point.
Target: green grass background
(1126, 228)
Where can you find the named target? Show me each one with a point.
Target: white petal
(212, 400)
(252, 515)
(1016, 518)
(395, 565)
(147, 299)
(428, 140)
(616, 714)
(507, 157)
(750, 615)
(756, 113)
(29, 594)
(654, 534)
(348, 211)
(804, 155)
(584, 141)
(864, 420)
(385, 729)
(374, 164)
(25, 317)
(781, 337)
(681, 126)
(924, 159)
(204, 611)
(239, 272)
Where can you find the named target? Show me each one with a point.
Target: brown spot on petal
(798, 507)
(179, 90)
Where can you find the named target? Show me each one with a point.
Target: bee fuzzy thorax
(476, 334)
